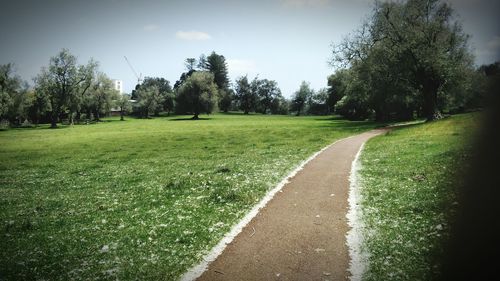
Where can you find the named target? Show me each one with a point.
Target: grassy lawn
(409, 189)
(141, 199)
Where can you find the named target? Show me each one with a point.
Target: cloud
(305, 3)
(192, 35)
(151, 27)
(241, 66)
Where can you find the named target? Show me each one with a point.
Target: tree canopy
(216, 64)
(408, 57)
(301, 97)
(198, 94)
(63, 81)
(244, 94)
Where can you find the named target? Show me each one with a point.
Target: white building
(118, 85)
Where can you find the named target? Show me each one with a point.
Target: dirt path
(301, 233)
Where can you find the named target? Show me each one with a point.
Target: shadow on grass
(332, 118)
(108, 121)
(190, 119)
(342, 124)
(239, 113)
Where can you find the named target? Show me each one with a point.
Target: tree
(9, 85)
(14, 99)
(183, 78)
(60, 81)
(216, 64)
(102, 95)
(38, 106)
(190, 63)
(148, 100)
(266, 92)
(164, 90)
(123, 103)
(301, 97)
(336, 89)
(198, 94)
(245, 96)
(318, 103)
(79, 101)
(225, 99)
(280, 105)
(169, 102)
(419, 43)
(354, 104)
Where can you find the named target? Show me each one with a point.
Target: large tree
(10, 86)
(60, 82)
(247, 98)
(216, 64)
(102, 95)
(164, 90)
(226, 97)
(197, 94)
(266, 92)
(301, 98)
(415, 43)
(124, 105)
(149, 100)
(80, 100)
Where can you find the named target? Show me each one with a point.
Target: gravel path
(301, 233)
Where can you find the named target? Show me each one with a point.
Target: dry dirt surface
(301, 233)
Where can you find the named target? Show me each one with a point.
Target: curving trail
(301, 233)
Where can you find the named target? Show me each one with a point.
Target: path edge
(196, 271)
(354, 238)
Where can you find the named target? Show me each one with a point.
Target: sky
(284, 40)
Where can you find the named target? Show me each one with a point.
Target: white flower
(104, 249)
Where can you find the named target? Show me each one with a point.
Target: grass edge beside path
(409, 182)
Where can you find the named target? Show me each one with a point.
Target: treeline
(205, 87)
(63, 90)
(411, 59)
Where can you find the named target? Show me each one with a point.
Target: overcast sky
(284, 40)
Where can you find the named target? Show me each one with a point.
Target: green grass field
(410, 180)
(140, 199)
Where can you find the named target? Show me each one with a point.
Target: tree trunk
(195, 117)
(121, 115)
(380, 115)
(78, 116)
(431, 111)
(97, 118)
(53, 120)
(55, 114)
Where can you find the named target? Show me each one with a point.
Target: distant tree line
(205, 87)
(63, 91)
